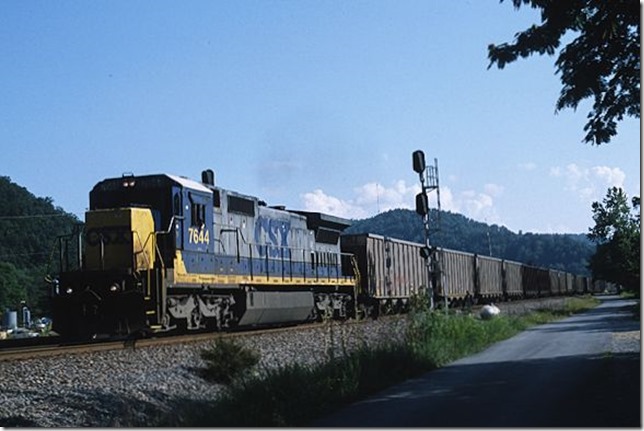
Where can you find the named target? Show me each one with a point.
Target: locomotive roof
(187, 182)
(316, 219)
(151, 181)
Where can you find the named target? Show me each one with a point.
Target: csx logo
(108, 235)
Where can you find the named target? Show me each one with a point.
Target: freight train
(392, 271)
(164, 252)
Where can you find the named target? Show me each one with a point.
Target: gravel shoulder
(132, 387)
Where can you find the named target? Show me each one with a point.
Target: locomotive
(160, 252)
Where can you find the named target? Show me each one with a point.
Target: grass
(294, 395)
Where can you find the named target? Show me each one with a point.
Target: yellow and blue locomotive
(159, 252)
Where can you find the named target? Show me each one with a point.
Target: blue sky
(316, 105)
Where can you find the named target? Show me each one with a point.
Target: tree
(617, 234)
(12, 286)
(29, 226)
(602, 62)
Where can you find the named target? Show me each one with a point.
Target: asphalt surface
(562, 374)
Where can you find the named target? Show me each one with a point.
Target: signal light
(419, 161)
(422, 203)
(425, 252)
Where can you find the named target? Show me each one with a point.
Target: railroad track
(53, 346)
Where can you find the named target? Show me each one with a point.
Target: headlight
(115, 287)
(69, 290)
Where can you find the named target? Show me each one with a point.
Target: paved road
(570, 373)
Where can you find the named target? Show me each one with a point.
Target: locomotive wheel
(195, 319)
(362, 312)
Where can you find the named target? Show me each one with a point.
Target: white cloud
(477, 205)
(448, 202)
(589, 184)
(318, 201)
(372, 198)
(610, 176)
(399, 195)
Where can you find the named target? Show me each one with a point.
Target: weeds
(226, 360)
(294, 394)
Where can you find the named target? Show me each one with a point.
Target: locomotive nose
(121, 238)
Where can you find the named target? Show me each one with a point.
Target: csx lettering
(276, 238)
(108, 235)
(198, 236)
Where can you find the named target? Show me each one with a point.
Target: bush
(227, 360)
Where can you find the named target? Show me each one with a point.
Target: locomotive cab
(131, 233)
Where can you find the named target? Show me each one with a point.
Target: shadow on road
(499, 395)
(605, 318)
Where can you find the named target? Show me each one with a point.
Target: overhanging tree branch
(602, 62)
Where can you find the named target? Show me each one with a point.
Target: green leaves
(12, 286)
(602, 62)
(28, 229)
(617, 234)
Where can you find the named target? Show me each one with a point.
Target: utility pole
(428, 176)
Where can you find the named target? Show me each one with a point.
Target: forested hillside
(567, 252)
(29, 226)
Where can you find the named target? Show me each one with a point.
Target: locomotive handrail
(165, 232)
(170, 225)
(356, 270)
(63, 252)
(142, 251)
(236, 232)
(280, 256)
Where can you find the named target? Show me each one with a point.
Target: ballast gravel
(136, 386)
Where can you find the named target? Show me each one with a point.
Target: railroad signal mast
(428, 176)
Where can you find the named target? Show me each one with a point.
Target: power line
(33, 216)
(39, 253)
